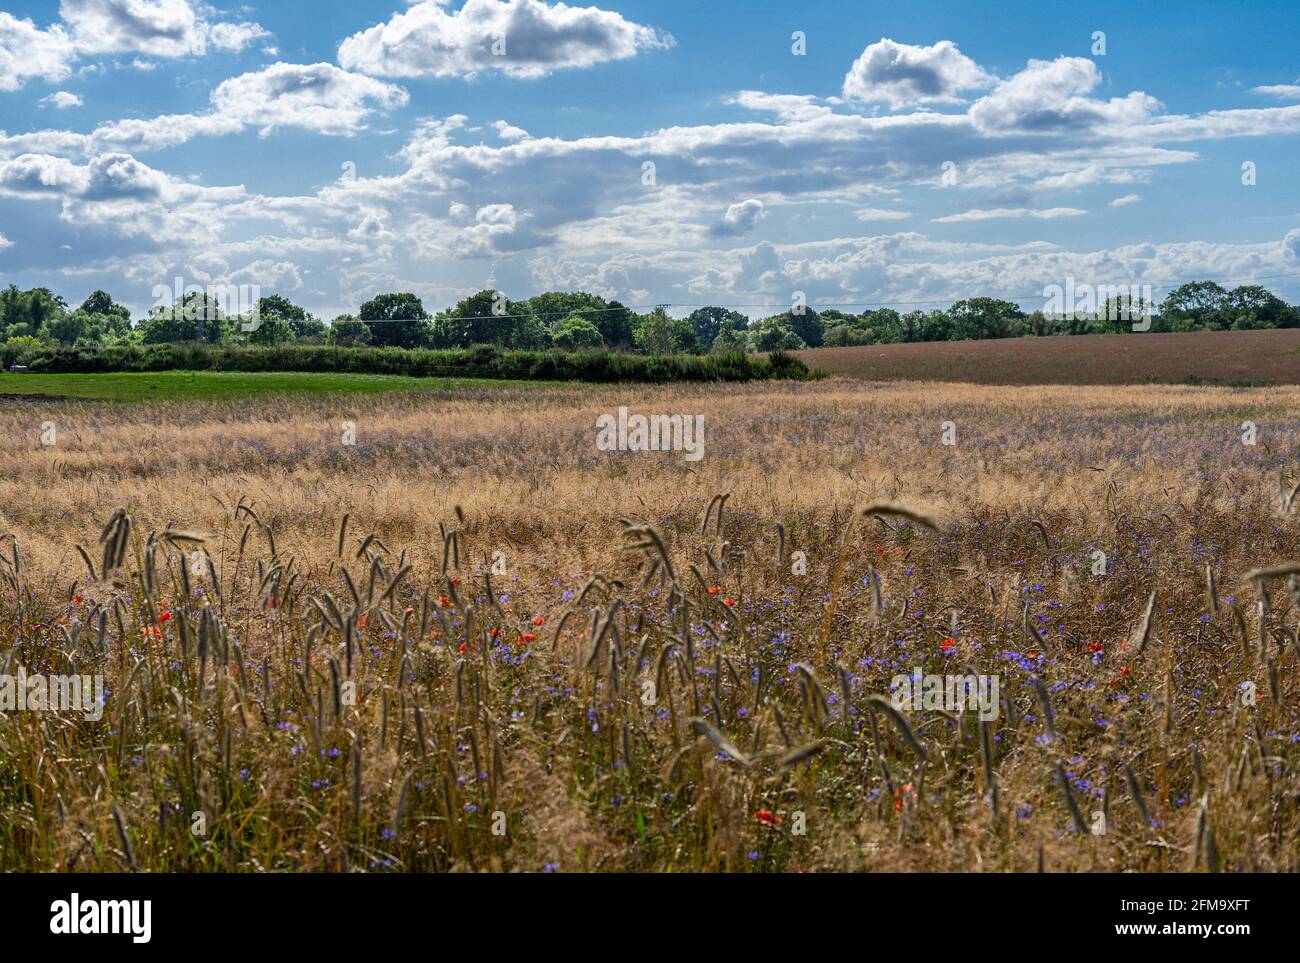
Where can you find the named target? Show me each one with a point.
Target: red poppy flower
(539, 620)
(949, 644)
(164, 616)
(714, 590)
(729, 602)
(766, 817)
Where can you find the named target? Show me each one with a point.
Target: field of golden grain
(443, 631)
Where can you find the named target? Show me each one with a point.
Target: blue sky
(331, 150)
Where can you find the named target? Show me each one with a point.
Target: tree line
(38, 319)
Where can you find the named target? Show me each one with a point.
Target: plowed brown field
(1218, 357)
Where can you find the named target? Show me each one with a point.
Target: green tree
(732, 337)
(269, 331)
(657, 333)
(302, 324)
(611, 319)
(1198, 305)
(654, 333)
(885, 325)
(935, 326)
(845, 335)
(346, 331)
(396, 320)
(100, 302)
(807, 324)
(707, 322)
(775, 334)
(979, 318)
(576, 333)
(29, 312)
(197, 318)
(488, 317)
(1252, 306)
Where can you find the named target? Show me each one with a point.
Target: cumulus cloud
(107, 177)
(739, 218)
(547, 212)
(1126, 200)
(318, 97)
(62, 100)
(234, 37)
(41, 174)
(5, 243)
(1009, 213)
(268, 274)
(1287, 91)
(508, 131)
(1291, 247)
(26, 51)
(520, 38)
(159, 29)
(492, 231)
(1049, 96)
(900, 73)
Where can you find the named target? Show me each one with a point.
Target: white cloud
(162, 29)
(26, 51)
(159, 28)
(508, 131)
(234, 37)
(784, 106)
(881, 214)
(491, 232)
(269, 275)
(540, 212)
(520, 38)
(5, 243)
(739, 218)
(1126, 200)
(1288, 91)
(62, 100)
(318, 97)
(1098, 173)
(1009, 213)
(1048, 96)
(900, 73)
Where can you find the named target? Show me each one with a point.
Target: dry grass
(229, 706)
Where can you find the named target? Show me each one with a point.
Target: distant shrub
(480, 361)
